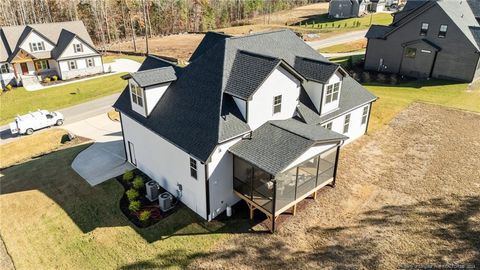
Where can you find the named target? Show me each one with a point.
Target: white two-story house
(35, 51)
(259, 118)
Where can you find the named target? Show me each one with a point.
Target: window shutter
(31, 48)
(81, 47)
(43, 46)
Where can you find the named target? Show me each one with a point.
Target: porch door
(24, 68)
(131, 151)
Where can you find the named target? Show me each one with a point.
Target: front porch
(28, 68)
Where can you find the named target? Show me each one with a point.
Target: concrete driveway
(105, 159)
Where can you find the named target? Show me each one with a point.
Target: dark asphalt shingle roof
(154, 76)
(314, 70)
(378, 31)
(276, 144)
(475, 6)
(476, 34)
(208, 42)
(195, 113)
(63, 41)
(352, 96)
(249, 71)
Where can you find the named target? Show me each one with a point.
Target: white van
(30, 122)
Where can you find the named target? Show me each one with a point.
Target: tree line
(110, 21)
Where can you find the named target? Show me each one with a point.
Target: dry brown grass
(346, 47)
(407, 194)
(38, 144)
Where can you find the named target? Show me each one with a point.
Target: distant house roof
(12, 36)
(276, 144)
(378, 31)
(197, 112)
(458, 11)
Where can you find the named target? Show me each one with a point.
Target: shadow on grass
(95, 207)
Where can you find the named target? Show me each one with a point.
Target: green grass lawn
(109, 58)
(324, 23)
(53, 219)
(343, 48)
(395, 98)
(343, 61)
(20, 101)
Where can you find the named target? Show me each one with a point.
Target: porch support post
(315, 195)
(274, 216)
(335, 169)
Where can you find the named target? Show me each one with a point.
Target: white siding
(337, 77)
(137, 108)
(356, 128)
(310, 153)
(242, 106)
(166, 164)
(260, 108)
(314, 91)
(34, 37)
(70, 51)
(153, 94)
(220, 173)
(82, 69)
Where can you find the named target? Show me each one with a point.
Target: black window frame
(277, 104)
(70, 65)
(4, 69)
(413, 53)
(346, 123)
(443, 34)
(79, 48)
(424, 31)
(90, 59)
(364, 115)
(193, 168)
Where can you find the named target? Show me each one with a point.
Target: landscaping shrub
(47, 79)
(55, 78)
(381, 78)
(138, 183)
(134, 206)
(8, 87)
(132, 194)
(144, 215)
(393, 79)
(128, 176)
(366, 77)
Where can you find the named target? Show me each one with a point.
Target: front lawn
(354, 46)
(111, 57)
(20, 101)
(395, 98)
(50, 218)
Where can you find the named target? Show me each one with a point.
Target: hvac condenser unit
(165, 201)
(152, 190)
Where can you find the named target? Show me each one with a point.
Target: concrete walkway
(117, 66)
(104, 159)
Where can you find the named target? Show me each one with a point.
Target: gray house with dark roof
(34, 51)
(427, 39)
(259, 118)
(341, 9)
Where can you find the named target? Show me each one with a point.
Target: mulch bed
(43, 83)
(153, 207)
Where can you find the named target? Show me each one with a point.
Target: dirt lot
(182, 46)
(407, 194)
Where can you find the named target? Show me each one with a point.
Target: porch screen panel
(307, 176)
(242, 180)
(263, 189)
(286, 182)
(326, 167)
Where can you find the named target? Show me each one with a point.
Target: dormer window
(78, 47)
(137, 95)
(37, 46)
(332, 93)
(4, 69)
(328, 126)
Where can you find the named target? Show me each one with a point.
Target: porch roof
(276, 144)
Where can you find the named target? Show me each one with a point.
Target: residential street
(344, 38)
(72, 114)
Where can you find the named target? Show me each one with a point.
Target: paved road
(72, 114)
(344, 38)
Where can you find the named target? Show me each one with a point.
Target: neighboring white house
(35, 51)
(260, 117)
